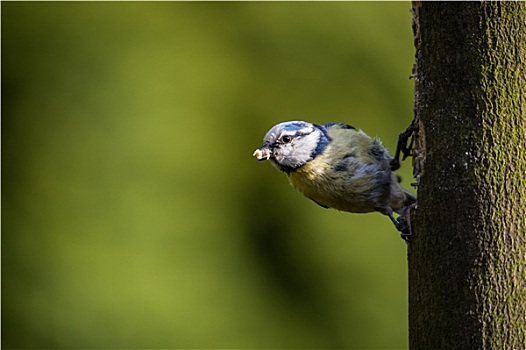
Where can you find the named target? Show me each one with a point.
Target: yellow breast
(318, 181)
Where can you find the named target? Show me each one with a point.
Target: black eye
(286, 139)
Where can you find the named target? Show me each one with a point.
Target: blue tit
(337, 166)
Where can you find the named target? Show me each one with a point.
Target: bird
(338, 166)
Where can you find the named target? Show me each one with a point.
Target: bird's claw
(404, 228)
(404, 145)
(403, 224)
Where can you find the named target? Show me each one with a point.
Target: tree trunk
(467, 256)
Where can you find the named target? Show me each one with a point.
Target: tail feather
(409, 198)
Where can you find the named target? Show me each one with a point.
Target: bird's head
(290, 145)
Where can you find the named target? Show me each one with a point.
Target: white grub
(262, 154)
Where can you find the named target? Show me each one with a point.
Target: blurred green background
(133, 212)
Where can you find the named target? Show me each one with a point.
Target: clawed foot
(403, 223)
(404, 228)
(404, 145)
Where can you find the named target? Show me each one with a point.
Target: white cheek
(305, 146)
(298, 152)
(284, 154)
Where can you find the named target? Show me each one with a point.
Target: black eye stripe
(291, 137)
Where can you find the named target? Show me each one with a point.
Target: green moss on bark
(467, 261)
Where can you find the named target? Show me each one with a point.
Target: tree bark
(467, 256)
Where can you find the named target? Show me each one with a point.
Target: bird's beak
(262, 153)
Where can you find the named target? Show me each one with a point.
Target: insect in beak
(262, 154)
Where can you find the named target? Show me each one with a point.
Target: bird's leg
(403, 146)
(402, 225)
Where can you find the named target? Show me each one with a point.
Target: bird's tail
(409, 198)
